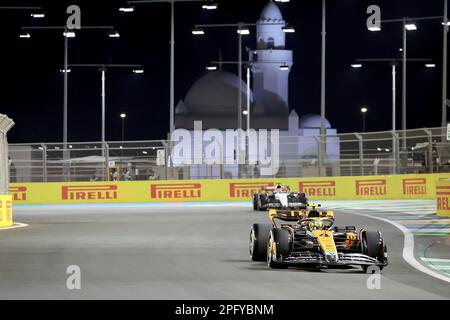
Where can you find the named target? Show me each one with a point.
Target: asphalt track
(179, 252)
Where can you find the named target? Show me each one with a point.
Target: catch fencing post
(361, 152)
(44, 162)
(319, 155)
(106, 167)
(430, 149)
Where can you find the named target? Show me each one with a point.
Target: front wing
(345, 259)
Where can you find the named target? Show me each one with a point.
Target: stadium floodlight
(210, 6)
(113, 34)
(24, 35)
(288, 29)
(198, 31)
(69, 34)
(244, 31)
(38, 15)
(410, 26)
(374, 28)
(126, 9)
(64, 71)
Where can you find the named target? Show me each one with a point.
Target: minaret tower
(270, 79)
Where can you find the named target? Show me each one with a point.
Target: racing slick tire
(259, 235)
(278, 246)
(255, 202)
(373, 246)
(262, 200)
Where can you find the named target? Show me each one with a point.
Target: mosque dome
(271, 13)
(216, 93)
(312, 121)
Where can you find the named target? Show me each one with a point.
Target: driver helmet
(316, 225)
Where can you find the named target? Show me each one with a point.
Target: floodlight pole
(322, 146)
(103, 68)
(66, 68)
(393, 62)
(66, 71)
(172, 52)
(444, 68)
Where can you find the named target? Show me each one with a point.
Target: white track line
(15, 226)
(408, 249)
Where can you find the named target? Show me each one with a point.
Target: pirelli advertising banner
(339, 188)
(443, 197)
(6, 217)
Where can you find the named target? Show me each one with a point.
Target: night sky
(31, 90)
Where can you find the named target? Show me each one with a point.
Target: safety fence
(338, 188)
(352, 154)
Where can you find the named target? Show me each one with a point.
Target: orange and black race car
(279, 197)
(309, 237)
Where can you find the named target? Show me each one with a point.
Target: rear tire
(259, 235)
(255, 202)
(262, 200)
(278, 246)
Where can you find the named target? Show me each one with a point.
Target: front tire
(259, 235)
(373, 245)
(278, 246)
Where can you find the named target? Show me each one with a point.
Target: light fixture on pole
(288, 29)
(284, 67)
(210, 6)
(198, 31)
(211, 68)
(114, 34)
(123, 116)
(244, 31)
(430, 65)
(356, 65)
(393, 63)
(138, 71)
(38, 15)
(410, 26)
(24, 35)
(126, 9)
(69, 34)
(364, 111)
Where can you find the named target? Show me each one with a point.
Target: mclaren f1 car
(309, 238)
(278, 197)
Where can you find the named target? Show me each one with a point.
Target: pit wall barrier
(6, 216)
(336, 188)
